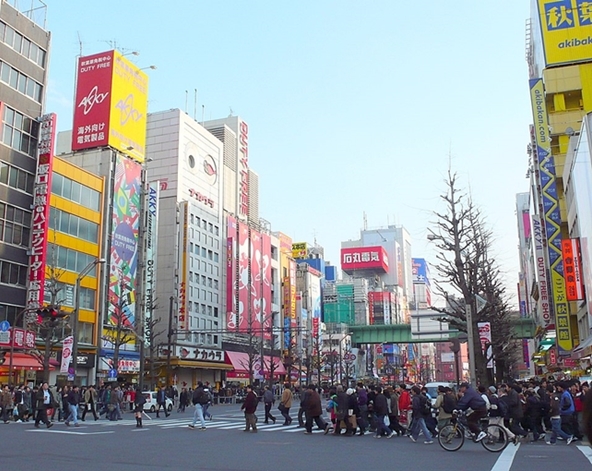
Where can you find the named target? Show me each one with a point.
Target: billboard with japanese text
(364, 258)
(111, 104)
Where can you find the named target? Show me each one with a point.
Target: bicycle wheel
(496, 439)
(451, 437)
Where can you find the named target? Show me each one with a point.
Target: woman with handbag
(285, 404)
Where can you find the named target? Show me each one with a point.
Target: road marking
(504, 462)
(66, 432)
(586, 451)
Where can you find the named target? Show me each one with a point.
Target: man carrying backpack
(498, 412)
(199, 398)
(445, 403)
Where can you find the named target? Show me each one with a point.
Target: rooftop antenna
(195, 104)
(79, 42)
(231, 112)
(365, 221)
(203, 112)
(186, 98)
(314, 236)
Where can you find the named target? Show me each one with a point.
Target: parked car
(151, 404)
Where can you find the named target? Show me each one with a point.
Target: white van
(151, 404)
(433, 389)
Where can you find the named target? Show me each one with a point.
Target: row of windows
(203, 295)
(19, 81)
(204, 266)
(205, 310)
(15, 224)
(16, 178)
(20, 132)
(68, 259)
(198, 338)
(205, 239)
(13, 274)
(74, 191)
(73, 225)
(206, 281)
(21, 44)
(204, 252)
(211, 228)
(65, 296)
(10, 313)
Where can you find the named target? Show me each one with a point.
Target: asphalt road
(168, 443)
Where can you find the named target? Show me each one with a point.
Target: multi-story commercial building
(24, 49)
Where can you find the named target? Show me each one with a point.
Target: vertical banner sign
(243, 180)
(184, 244)
(574, 283)
(40, 218)
(256, 300)
(525, 353)
(286, 302)
(485, 338)
(552, 217)
(66, 353)
(231, 278)
(266, 282)
(292, 289)
(125, 231)
(243, 277)
(150, 244)
(544, 302)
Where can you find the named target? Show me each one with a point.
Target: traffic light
(49, 312)
(454, 345)
(2, 358)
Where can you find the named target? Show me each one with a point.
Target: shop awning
(206, 365)
(22, 361)
(579, 351)
(240, 363)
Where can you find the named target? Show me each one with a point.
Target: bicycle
(452, 436)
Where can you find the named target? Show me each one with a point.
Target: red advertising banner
(93, 101)
(231, 277)
(19, 338)
(572, 269)
(364, 258)
(243, 277)
(266, 283)
(40, 218)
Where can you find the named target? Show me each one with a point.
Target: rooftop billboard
(364, 258)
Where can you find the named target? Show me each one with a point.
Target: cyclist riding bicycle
(471, 399)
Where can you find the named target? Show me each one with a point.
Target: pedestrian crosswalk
(226, 423)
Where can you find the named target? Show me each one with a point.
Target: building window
(13, 274)
(73, 225)
(74, 191)
(216, 230)
(69, 259)
(19, 81)
(215, 312)
(16, 178)
(15, 225)
(20, 132)
(21, 44)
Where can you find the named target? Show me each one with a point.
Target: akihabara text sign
(111, 104)
(364, 258)
(40, 224)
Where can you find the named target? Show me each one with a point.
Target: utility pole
(169, 341)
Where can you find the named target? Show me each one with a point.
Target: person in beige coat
(286, 403)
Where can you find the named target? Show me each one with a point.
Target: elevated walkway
(524, 328)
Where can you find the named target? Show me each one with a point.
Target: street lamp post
(75, 313)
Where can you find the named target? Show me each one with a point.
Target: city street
(168, 443)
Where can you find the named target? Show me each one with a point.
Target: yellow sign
(545, 173)
(300, 250)
(566, 28)
(129, 107)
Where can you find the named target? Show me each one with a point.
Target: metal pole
(457, 370)
(169, 336)
(471, 337)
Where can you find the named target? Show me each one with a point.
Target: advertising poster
(125, 226)
(257, 303)
(231, 274)
(266, 283)
(243, 277)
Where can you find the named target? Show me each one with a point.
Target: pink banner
(266, 283)
(243, 278)
(256, 299)
(231, 276)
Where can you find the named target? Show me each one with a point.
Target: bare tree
(466, 268)
(119, 333)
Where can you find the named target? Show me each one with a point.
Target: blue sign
(4, 326)
(112, 374)
(420, 271)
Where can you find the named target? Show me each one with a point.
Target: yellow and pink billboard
(111, 105)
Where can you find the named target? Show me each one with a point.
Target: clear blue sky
(352, 106)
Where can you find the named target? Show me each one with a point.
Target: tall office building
(24, 49)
